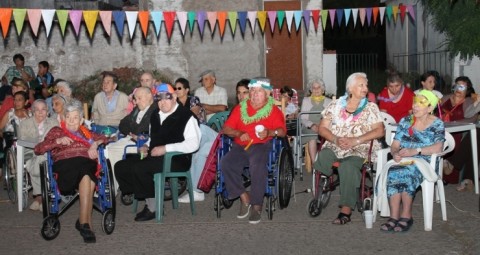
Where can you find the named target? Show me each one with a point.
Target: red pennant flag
(169, 18)
(403, 9)
(316, 18)
(143, 17)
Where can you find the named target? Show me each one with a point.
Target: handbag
(207, 178)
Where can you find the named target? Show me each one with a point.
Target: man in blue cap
(172, 128)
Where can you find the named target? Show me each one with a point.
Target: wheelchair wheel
(50, 227)
(126, 199)
(25, 189)
(108, 221)
(270, 207)
(285, 177)
(45, 190)
(218, 205)
(314, 207)
(227, 203)
(10, 174)
(182, 186)
(325, 190)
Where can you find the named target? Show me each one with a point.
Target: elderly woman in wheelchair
(74, 150)
(418, 135)
(252, 124)
(349, 125)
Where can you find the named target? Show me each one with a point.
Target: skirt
(71, 171)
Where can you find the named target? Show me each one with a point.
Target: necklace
(262, 113)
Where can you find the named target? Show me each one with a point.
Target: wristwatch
(419, 150)
(276, 132)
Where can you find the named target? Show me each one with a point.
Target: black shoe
(87, 234)
(78, 226)
(145, 215)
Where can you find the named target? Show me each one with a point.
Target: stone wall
(233, 57)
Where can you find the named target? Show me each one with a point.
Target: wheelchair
(10, 168)
(104, 197)
(322, 187)
(127, 199)
(280, 177)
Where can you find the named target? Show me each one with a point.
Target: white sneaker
(197, 197)
(35, 206)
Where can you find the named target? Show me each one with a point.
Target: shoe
(87, 234)
(255, 217)
(447, 167)
(145, 215)
(244, 210)
(389, 225)
(466, 185)
(40, 208)
(197, 197)
(35, 206)
(78, 226)
(403, 225)
(342, 219)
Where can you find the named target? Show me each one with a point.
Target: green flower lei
(260, 114)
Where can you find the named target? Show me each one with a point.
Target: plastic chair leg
(159, 181)
(174, 191)
(427, 195)
(190, 192)
(441, 194)
(134, 206)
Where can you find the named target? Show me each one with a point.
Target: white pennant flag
(354, 16)
(382, 13)
(252, 16)
(182, 19)
(289, 17)
(47, 16)
(131, 21)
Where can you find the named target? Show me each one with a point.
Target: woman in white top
(315, 102)
(428, 82)
(17, 113)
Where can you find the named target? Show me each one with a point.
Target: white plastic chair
(387, 120)
(431, 178)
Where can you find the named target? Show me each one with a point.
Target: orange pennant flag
(90, 18)
(262, 19)
(222, 20)
(143, 17)
(375, 15)
(5, 17)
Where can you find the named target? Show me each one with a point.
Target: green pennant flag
(232, 17)
(389, 12)
(62, 16)
(191, 20)
(19, 17)
(280, 18)
(324, 18)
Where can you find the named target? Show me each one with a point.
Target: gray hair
(36, 102)
(74, 105)
(351, 79)
(58, 96)
(317, 81)
(208, 72)
(65, 85)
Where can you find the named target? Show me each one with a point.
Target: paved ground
(291, 231)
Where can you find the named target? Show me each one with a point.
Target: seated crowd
(172, 119)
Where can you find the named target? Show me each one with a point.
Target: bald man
(134, 124)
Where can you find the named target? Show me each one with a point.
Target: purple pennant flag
(369, 15)
(242, 19)
(75, 19)
(119, 18)
(331, 13)
(339, 17)
(306, 19)
(201, 15)
(411, 12)
(271, 17)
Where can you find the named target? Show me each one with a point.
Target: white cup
(368, 216)
(258, 129)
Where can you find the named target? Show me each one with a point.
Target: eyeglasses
(163, 96)
(459, 87)
(178, 88)
(421, 101)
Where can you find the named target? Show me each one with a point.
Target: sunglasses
(178, 88)
(163, 96)
(421, 101)
(459, 87)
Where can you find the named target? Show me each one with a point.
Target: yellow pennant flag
(90, 18)
(62, 16)
(19, 17)
(395, 13)
(262, 18)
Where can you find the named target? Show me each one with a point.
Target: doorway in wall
(283, 50)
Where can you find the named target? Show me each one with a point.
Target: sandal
(466, 185)
(389, 225)
(342, 219)
(403, 225)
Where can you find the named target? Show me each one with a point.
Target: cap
(432, 98)
(207, 72)
(259, 83)
(164, 88)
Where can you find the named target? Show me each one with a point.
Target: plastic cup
(258, 129)
(368, 215)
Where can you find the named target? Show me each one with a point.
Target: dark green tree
(460, 21)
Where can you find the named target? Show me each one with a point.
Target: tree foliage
(459, 20)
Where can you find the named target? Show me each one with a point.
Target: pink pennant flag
(131, 21)
(182, 19)
(411, 12)
(363, 13)
(354, 16)
(75, 19)
(382, 14)
(272, 15)
(331, 13)
(212, 20)
(252, 17)
(106, 17)
(289, 17)
(34, 16)
(47, 16)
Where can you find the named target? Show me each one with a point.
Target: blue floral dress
(407, 178)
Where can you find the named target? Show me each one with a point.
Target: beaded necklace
(262, 113)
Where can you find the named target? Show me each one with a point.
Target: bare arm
(214, 108)
(3, 123)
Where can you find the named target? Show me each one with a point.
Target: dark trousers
(232, 164)
(135, 176)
